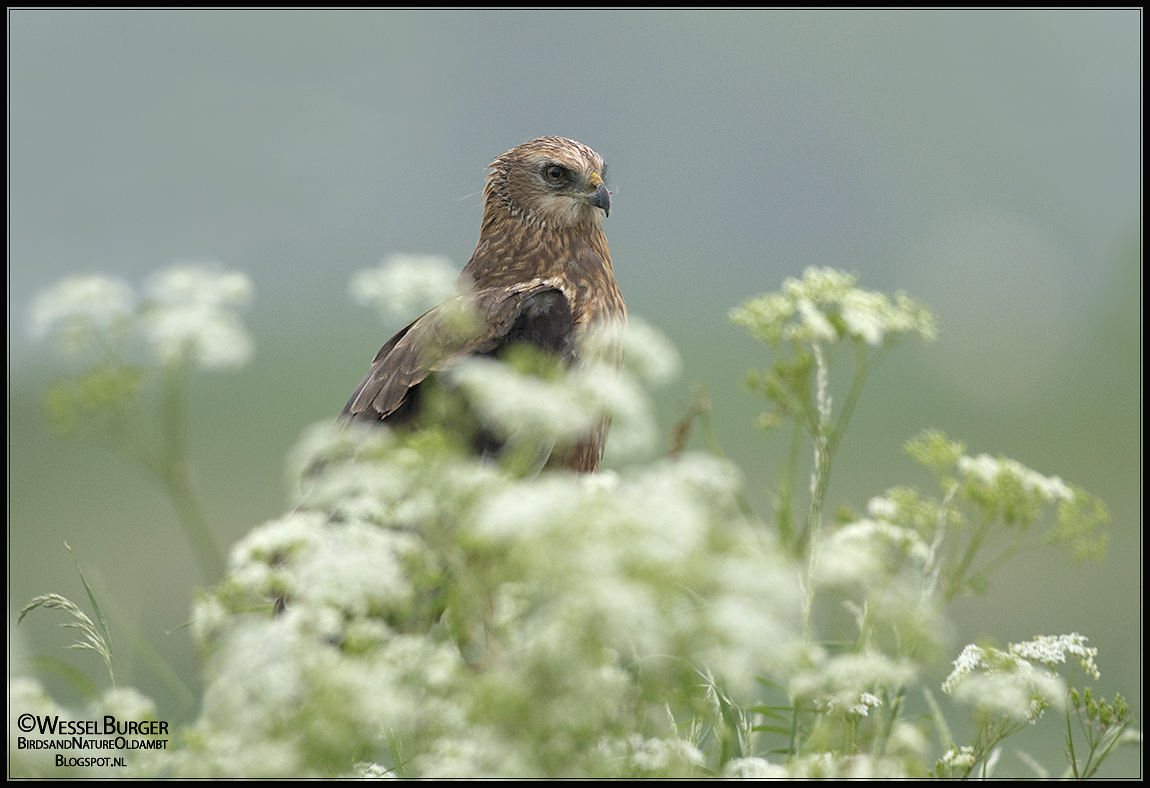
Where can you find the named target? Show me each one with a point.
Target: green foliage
(424, 613)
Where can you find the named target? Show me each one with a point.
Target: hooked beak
(601, 198)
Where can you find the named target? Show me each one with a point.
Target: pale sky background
(987, 162)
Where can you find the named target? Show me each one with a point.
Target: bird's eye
(555, 173)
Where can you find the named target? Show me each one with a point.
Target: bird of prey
(540, 275)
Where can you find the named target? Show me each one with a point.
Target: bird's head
(550, 182)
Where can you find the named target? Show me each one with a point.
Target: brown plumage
(540, 274)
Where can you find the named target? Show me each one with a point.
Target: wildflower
(867, 701)
(79, 309)
(523, 406)
(830, 307)
(662, 755)
(958, 758)
(845, 681)
(987, 470)
(1051, 650)
(859, 551)
(403, 285)
(125, 703)
(1003, 682)
(753, 769)
(648, 354)
(370, 771)
(190, 316)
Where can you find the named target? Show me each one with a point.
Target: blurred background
(987, 162)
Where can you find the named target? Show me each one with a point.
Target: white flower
(125, 703)
(645, 351)
(867, 315)
(190, 316)
(1004, 683)
(404, 285)
(80, 308)
(882, 508)
(858, 550)
(660, 754)
(633, 429)
(523, 406)
(200, 284)
(867, 701)
(823, 293)
(371, 771)
(816, 326)
(971, 658)
(1051, 650)
(845, 681)
(753, 769)
(956, 758)
(1022, 694)
(988, 470)
(863, 766)
(907, 740)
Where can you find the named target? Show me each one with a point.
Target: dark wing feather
(479, 323)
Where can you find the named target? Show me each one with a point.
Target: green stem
(955, 581)
(785, 521)
(175, 475)
(820, 477)
(1115, 737)
(852, 397)
(1070, 743)
(894, 712)
(821, 474)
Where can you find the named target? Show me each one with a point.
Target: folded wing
(483, 322)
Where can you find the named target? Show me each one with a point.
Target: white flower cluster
(824, 306)
(845, 682)
(991, 471)
(958, 758)
(831, 766)
(753, 769)
(79, 309)
(656, 756)
(345, 629)
(523, 407)
(647, 354)
(867, 701)
(861, 551)
(1051, 650)
(617, 561)
(188, 314)
(404, 285)
(1008, 683)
